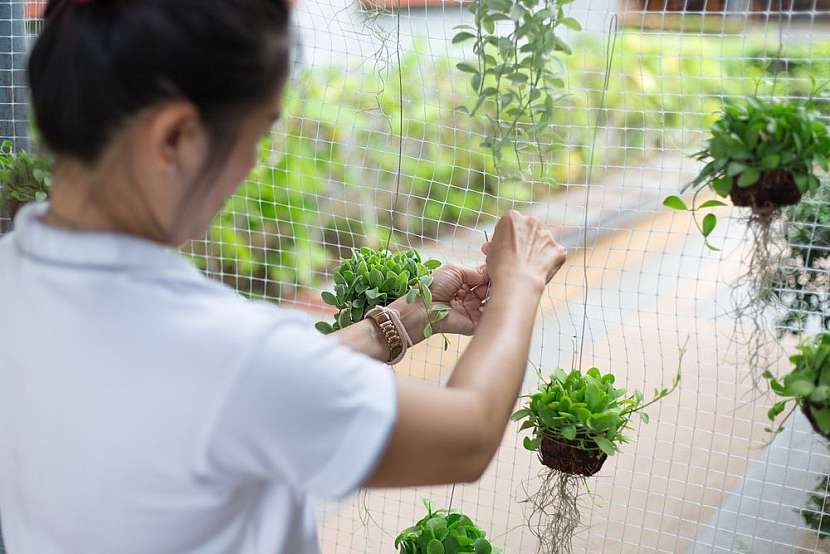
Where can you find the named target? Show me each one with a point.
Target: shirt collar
(90, 249)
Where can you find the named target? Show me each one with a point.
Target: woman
(146, 409)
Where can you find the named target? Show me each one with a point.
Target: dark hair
(99, 62)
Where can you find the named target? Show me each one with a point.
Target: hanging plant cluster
(443, 532)
(378, 277)
(762, 154)
(576, 421)
(517, 77)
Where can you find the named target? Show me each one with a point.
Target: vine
(518, 78)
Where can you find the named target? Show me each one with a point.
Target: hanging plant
(443, 532)
(24, 178)
(378, 277)
(817, 512)
(763, 155)
(806, 387)
(576, 421)
(517, 76)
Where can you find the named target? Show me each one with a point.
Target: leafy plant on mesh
(517, 76)
(817, 512)
(378, 277)
(576, 421)
(806, 386)
(763, 154)
(443, 532)
(24, 178)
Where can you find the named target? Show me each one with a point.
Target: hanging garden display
(577, 420)
(444, 532)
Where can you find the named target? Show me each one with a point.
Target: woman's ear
(175, 140)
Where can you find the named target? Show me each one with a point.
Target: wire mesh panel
(372, 141)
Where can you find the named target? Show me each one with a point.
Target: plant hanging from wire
(763, 155)
(443, 532)
(576, 421)
(518, 78)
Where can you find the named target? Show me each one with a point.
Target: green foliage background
(326, 176)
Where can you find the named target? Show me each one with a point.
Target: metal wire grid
(696, 479)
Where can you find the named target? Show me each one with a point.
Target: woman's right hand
(523, 249)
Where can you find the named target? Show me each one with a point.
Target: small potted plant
(443, 532)
(576, 421)
(378, 277)
(806, 387)
(762, 154)
(24, 178)
(817, 513)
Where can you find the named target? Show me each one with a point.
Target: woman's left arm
(462, 289)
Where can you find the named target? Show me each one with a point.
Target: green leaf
(411, 296)
(735, 168)
(771, 161)
(571, 23)
(463, 36)
(435, 547)
(605, 445)
(323, 327)
(482, 546)
(822, 418)
(722, 186)
(749, 177)
(643, 417)
(776, 409)
(428, 330)
(568, 432)
(466, 68)
(675, 203)
(709, 222)
(329, 298)
(711, 204)
(432, 264)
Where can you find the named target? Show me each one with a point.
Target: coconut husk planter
(808, 413)
(773, 190)
(566, 456)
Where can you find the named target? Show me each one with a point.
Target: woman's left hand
(463, 289)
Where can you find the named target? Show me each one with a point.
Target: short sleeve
(306, 410)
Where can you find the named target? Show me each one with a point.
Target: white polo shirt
(146, 409)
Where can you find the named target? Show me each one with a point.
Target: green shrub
(373, 278)
(24, 177)
(755, 136)
(586, 410)
(807, 386)
(443, 532)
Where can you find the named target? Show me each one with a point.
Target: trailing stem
(553, 510)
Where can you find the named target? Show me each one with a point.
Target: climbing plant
(517, 77)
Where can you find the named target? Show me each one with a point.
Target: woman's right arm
(450, 434)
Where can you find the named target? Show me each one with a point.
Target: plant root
(754, 298)
(554, 516)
